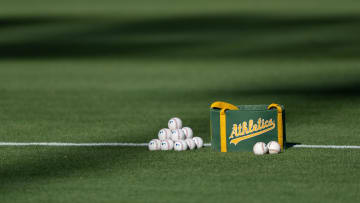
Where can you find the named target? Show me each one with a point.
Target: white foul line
(327, 146)
(119, 144)
(62, 144)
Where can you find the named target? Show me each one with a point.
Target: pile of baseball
(261, 148)
(175, 137)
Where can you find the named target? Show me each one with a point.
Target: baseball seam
(168, 144)
(197, 145)
(168, 134)
(273, 151)
(187, 142)
(270, 144)
(181, 145)
(175, 123)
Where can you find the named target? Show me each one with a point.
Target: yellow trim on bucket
(280, 124)
(223, 106)
(223, 131)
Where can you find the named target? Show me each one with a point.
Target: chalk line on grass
(120, 144)
(327, 146)
(63, 144)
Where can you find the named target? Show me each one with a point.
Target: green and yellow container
(238, 128)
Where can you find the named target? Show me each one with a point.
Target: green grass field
(116, 71)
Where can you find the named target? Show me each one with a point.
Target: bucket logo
(245, 131)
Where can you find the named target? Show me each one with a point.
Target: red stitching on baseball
(167, 141)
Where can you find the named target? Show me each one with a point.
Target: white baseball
(260, 148)
(177, 134)
(175, 123)
(167, 145)
(154, 144)
(198, 142)
(188, 132)
(273, 147)
(180, 145)
(164, 134)
(190, 143)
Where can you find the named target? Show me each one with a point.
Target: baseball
(198, 142)
(154, 144)
(273, 147)
(164, 134)
(167, 145)
(260, 148)
(188, 132)
(190, 143)
(175, 123)
(177, 134)
(180, 145)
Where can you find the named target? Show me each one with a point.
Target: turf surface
(80, 71)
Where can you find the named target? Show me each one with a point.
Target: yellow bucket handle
(280, 124)
(223, 106)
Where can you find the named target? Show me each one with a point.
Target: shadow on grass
(291, 144)
(8, 22)
(228, 36)
(32, 165)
